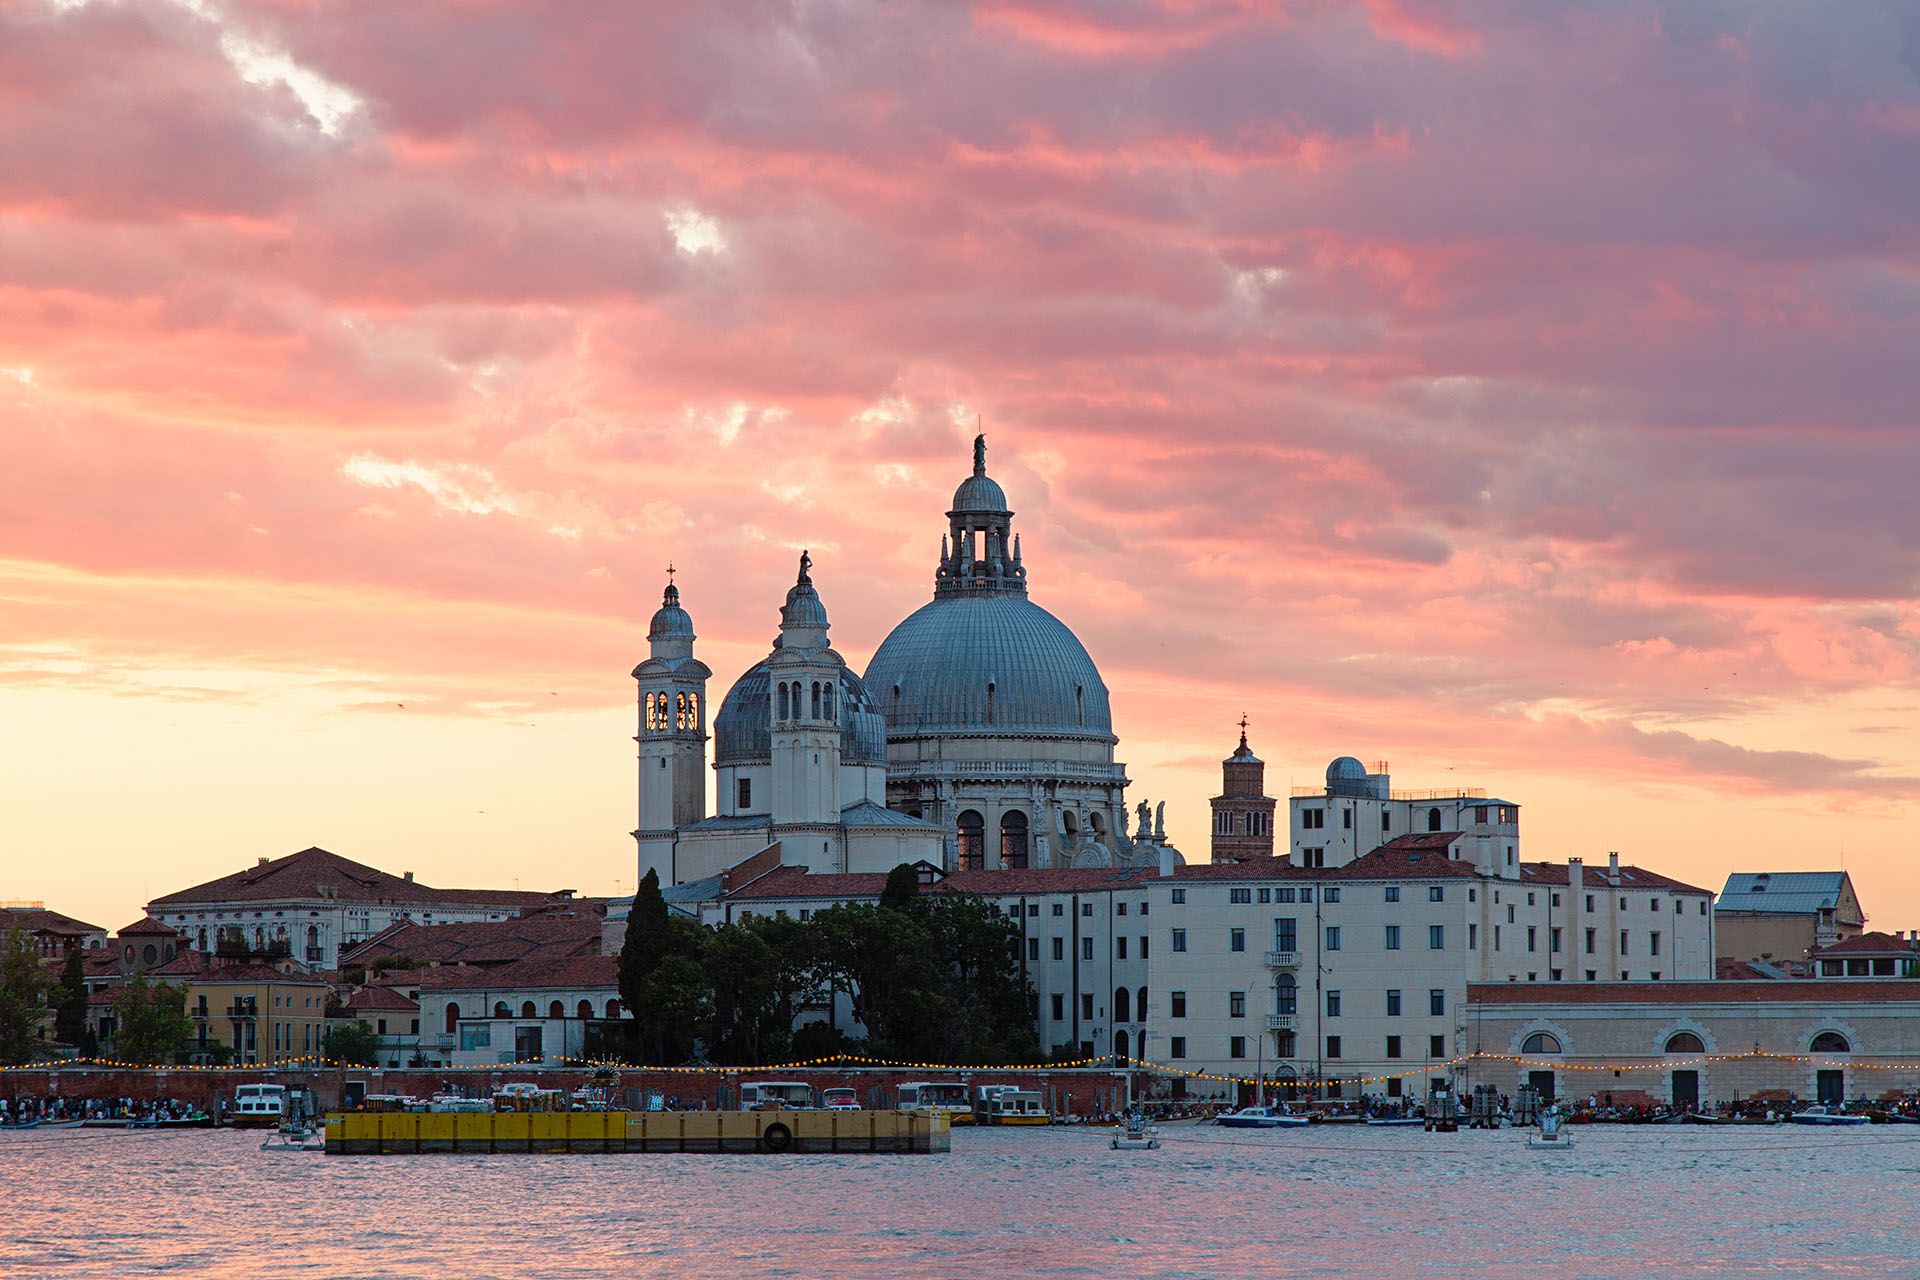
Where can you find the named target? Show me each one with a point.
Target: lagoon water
(1627, 1202)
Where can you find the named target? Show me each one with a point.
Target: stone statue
(1144, 829)
(806, 563)
(1160, 822)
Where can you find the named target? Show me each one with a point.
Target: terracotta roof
(1252, 869)
(483, 942)
(795, 882)
(1870, 944)
(541, 971)
(1727, 970)
(1595, 877)
(384, 999)
(103, 997)
(1023, 880)
(1415, 856)
(1882, 990)
(186, 962)
(147, 926)
(225, 974)
(41, 920)
(317, 874)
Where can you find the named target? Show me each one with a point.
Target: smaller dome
(670, 621)
(803, 608)
(980, 493)
(1346, 769)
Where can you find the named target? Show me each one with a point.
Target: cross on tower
(669, 573)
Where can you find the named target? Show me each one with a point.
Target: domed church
(981, 738)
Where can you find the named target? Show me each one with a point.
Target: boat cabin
(949, 1096)
(776, 1095)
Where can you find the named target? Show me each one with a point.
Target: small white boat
(1136, 1135)
(1261, 1118)
(838, 1099)
(1395, 1122)
(1823, 1115)
(1552, 1134)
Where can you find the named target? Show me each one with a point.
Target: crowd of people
(56, 1109)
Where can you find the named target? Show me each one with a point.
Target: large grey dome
(990, 663)
(741, 730)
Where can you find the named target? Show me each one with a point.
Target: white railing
(1280, 1021)
(1283, 959)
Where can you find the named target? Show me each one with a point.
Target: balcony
(241, 1010)
(1281, 1021)
(316, 954)
(1283, 959)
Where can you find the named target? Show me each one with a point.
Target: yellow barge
(522, 1132)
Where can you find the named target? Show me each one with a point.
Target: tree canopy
(153, 1026)
(352, 1043)
(24, 989)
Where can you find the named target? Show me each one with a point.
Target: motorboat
(839, 1099)
(1136, 1135)
(1552, 1134)
(1013, 1106)
(258, 1106)
(950, 1097)
(1395, 1122)
(21, 1124)
(1261, 1118)
(1827, 1116)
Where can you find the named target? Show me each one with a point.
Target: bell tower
(1243, 812)
(805, 713)
(673, 734)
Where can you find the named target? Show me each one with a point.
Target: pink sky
(1521, 393)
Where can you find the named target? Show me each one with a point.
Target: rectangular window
(1179, 896)
(1237, 940)
(1393, 1046)
(1059, 909)
(1143, 946)
(1346, 819)
(1437, 1002)
(743, 794)
(1236, 1046)
(1177, 1047)
(1653, 904)
(1436, 893)
(1119, 947)
(1313, 819)
(1386, 819)
(1653, 943)
(1239, 895)
(1266, 895)
(1179, 939)
(1285, 934)
(1120, 909)
(1436, 937)
(1059, 1007)
(1143, 908)
(476, 1037)
(1333, 1004)
(1333, 937)
(1393, 893)
(1177, 1004)
(1393, 1002)
(1589, 902)
(1623, 942)
(1532, 938)
(1553, 939)
(1393, 937)
(1086, 909)
(1555, 899)
(1306, 893)
(1496, 936)
(1284, 895)
(1591, 935)
(1436, 1046)
(1236, 1004)
(1331, 895)
(1059, 948)
(1333, 1046)
(1086, 1005)
(1086, 948)
(1033, 948)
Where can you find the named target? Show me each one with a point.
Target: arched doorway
(1830, 1083)
(1120, 1046)
(972, 830)
(453, 1016)
(1122, 1005)
(1541, 1043)
(1013, 839)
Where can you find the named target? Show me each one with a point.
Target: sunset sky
(1521, 393)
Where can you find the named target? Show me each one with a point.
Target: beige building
(1781, 916)
(1669, 1043)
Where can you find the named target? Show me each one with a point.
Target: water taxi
(1008, 1105)
(776, 1095)
(1827, 1116)
(950, 1097)
(1261, 1118)
(258, 1106)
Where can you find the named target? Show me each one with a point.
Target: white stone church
(981, 737)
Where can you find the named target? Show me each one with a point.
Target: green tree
(24, 989)
(663, 980)
(352, 1044)
(646, 941)
(882, 960)
(70, 1016)
(153, 1023)
(903, 886)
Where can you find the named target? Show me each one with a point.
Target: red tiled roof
(796, 882)
(384, 999)
(147, 926)
(186, 962)
(1596, 878)
(1022, 880)
(102, 997)
(541, 971)
(224, 974)
(1252, 869)
(1728, 970)
(1415, 856)
(1883, 990)
(483, 942)
(41, 920)
(1870, 944)
(317, 874)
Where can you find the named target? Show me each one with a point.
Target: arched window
(613, 1008)
(585, 1010)
(1830, 1042)
(693, 711)
(783, 702)
(1433, 819)
(1540, 1042)
(1013, 839)
(1120, 1045)
(1685, 1042)
(1286, 995)
(453, 1017)
(813, 706)
(1122, 1005)
(989, 702)
(1098, 821)
(500, 1009)
(526, 1009)
(1069, 823)
(556, 1010)
(1140, 1005)
(826, 701)
(973, 839)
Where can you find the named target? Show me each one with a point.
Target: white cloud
(694, 232)
(466, 490)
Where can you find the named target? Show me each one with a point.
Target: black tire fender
(776, 1138)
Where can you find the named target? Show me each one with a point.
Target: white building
(1358, 811)
(316, 903)
(534, 1010)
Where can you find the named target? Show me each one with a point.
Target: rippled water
(1628, 1202)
